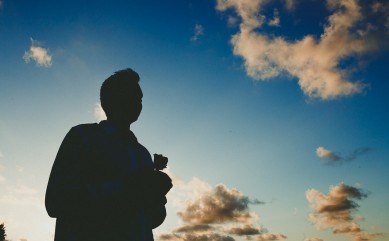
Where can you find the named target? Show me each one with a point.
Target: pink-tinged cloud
(335, 211)
(244, 230)
(217, 213)
(220, 205)
(334, 208)
(195, 237)
(333, 159)
(197, 228)
(313, 239)
(327, 154)
(270, 237)
(314, 62)
(348, 228)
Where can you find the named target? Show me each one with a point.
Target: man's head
(121, 97)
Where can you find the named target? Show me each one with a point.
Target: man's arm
(64, 194)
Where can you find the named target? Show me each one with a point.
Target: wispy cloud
(290, 4)
(217, 213)
(383, 9)
(40, 55)
(270, 237)
(22, 195)
(2, 178)
(243, 230)
(334, 159)
(276, 18)
(313, 239)
(335, 211)
(99, 112)
(198, 32)
(314, 62)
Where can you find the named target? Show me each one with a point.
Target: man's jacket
(100, 187)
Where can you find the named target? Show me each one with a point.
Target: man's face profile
(127, 105)
(121, 97)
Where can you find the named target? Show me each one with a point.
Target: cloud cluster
(314, 62)
(219, 214)
(335, 211)
(217, 206)
(40, 55)
(334, 159)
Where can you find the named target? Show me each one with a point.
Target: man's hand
(160, 162)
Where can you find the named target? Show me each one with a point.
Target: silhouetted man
(103, 186)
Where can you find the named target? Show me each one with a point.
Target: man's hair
(118, 85)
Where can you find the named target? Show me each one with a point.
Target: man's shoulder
(84, 129)
(85, 126)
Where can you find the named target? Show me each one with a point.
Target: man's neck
(120, 125)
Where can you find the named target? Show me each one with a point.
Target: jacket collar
(110, 129)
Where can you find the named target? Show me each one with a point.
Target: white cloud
(99, 112)
(39, 54)
(314, 62)
(198, 32)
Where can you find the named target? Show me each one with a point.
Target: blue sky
(285, 102)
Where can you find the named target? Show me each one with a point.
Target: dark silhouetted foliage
(2, 232)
